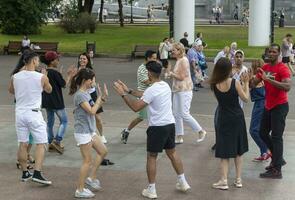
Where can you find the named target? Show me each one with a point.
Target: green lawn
(113, 40)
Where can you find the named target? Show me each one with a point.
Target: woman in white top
(182, 94)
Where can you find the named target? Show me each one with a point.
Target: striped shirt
(142, 76)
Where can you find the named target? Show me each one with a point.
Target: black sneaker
(272, 173)
(40, 179)
(26, 176)
(124, 136)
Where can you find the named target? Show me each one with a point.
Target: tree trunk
(120, 12)
(101, 11)
(87, 7)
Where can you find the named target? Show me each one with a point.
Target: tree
(24, 16)
(101, 11)
(85, 6)
(120, 12)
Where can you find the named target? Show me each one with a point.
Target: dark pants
(257, 112)
(271, 131)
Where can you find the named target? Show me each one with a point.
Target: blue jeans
(256, 117)
(61, 114)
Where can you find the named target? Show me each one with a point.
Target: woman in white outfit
(182, 95)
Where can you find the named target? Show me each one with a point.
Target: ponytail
(77, 80)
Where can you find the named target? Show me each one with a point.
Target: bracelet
(123, 95)
(103, 99)
(130, 91)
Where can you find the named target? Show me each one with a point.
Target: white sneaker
(202, 135)
(221, 184)
(149, 194)
(94, 184)
(84, 194)
(238, 183)
(103, 139)
(178, 140)
(184, 187)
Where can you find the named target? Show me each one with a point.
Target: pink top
(182, 67)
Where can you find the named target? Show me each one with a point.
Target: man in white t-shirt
(27, 86)
(161, 130)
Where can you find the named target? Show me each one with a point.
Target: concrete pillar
(259, 22)
(184, 19)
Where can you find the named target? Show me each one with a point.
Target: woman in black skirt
(231, 132)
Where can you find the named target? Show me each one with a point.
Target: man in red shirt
(276, 77)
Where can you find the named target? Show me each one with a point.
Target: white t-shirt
(159, 109)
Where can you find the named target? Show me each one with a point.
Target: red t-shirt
(273, 95)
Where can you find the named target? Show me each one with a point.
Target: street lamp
(272, 21)
(171, 18)
(131, 20)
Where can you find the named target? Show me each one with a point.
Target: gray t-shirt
(84, 122)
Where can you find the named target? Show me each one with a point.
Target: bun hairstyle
(77, 80)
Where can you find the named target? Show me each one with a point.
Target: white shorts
(84, 138)
(31, 122)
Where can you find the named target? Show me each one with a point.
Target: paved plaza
(126, 179)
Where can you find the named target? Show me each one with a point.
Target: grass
(113, 40)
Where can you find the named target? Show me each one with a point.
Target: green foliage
(24, 16)
(75, 22)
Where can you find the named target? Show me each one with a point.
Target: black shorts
(160, 137)
(286, 59)
(94, 98)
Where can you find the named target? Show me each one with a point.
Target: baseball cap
(240, 51)
(50, 56)
(154, 66)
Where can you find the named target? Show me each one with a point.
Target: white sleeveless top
(28, 90)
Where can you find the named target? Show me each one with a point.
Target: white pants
(181, 112)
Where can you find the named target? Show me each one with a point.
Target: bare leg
(22, 155)
(151, 167)
(238, 164)
(86, 155)
(134, 122)
(101, 151)
(175, 160)
(224, 168)
(99, 124)
(39, 156)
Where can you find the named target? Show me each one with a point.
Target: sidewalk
(126, 179)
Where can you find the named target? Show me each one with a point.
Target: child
(85, 130)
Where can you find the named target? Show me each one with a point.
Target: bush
(73, 22)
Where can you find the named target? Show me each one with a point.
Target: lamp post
(171, 18)
(131, 20)
(272, 21)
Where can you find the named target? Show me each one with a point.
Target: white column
(259, 22)
(184, 19)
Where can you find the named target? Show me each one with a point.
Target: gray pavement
(127, 177)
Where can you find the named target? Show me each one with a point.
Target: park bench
(15, 47)
(12, 47)
(139, 50)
